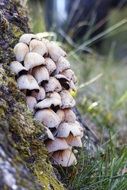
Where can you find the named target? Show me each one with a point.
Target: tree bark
(24, 162)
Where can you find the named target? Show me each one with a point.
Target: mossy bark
(23, 158)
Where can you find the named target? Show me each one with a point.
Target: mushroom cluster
(43, 73)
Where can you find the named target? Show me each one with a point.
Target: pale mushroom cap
(39, 95)
(48, 117)
(61, 115)
(64, 158)
(27, 82)
(65, 129)
(70, 75)
(74, 141)
(55, 51)
(20, 51)
(48, 102)
(56, 144)
(26, 38)
(62, 64)
(67, 100)
(50, 65)
(38, 47)
(33, 59)
(49, 134)
(54, 95)
(63, 81)
(69, 115)
(53, 85)
(31, 102)
(40, 74)
(16, 67)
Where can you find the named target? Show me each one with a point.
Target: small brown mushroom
(69, 115)
(48, 117)
(38, 47)
(65, 158)
(27, 82)
(31, 102)
(56, 144)
(41, 74)
(66, 128)
(26, 38)
(50, 65)
(70, 75)
(67, 99)
(33, 59)
(20, 51)
(74, 141)
(55, 51)
(17, 67)
(62, 64)
(53, 85)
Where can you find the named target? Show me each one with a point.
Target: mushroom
(63, 81)
(48, 102)
(26, 38)
(61, 115)
(65, 158)
(20, 51)
(62, 64)
(48, 117)
(50, 65)
(67, 99)
(56, 144)
(66, 128)
(74, 141)
(33, 59)
(17, 67)
(27, 82)
(39, 95)
(55, 51)
(69, 115)
(53, 85)
(31, 102)
(70, 75)
(38, 47)
(49, 134)
(41, 74)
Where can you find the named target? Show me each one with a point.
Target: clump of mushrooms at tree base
(43, 73)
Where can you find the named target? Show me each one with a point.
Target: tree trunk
(24, 163)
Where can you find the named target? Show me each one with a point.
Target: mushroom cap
(64, 158)
(55, 51)
(38, 47)
(74, 141)
(69, 115)
(27, 82)
(62, 64)
(48, 117)
(20, 51)
(16, 67)
(61, 115)
(63, 81)
(40, 73)
(53, 85)
(70, 75)
(48, 102)
(50, 65)
(33, 59)
(65, 129)
(49, 134)
(54, 95)
(31, 102)
(39, 95)
(56, 144)
(26, 38)
(67, 99)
